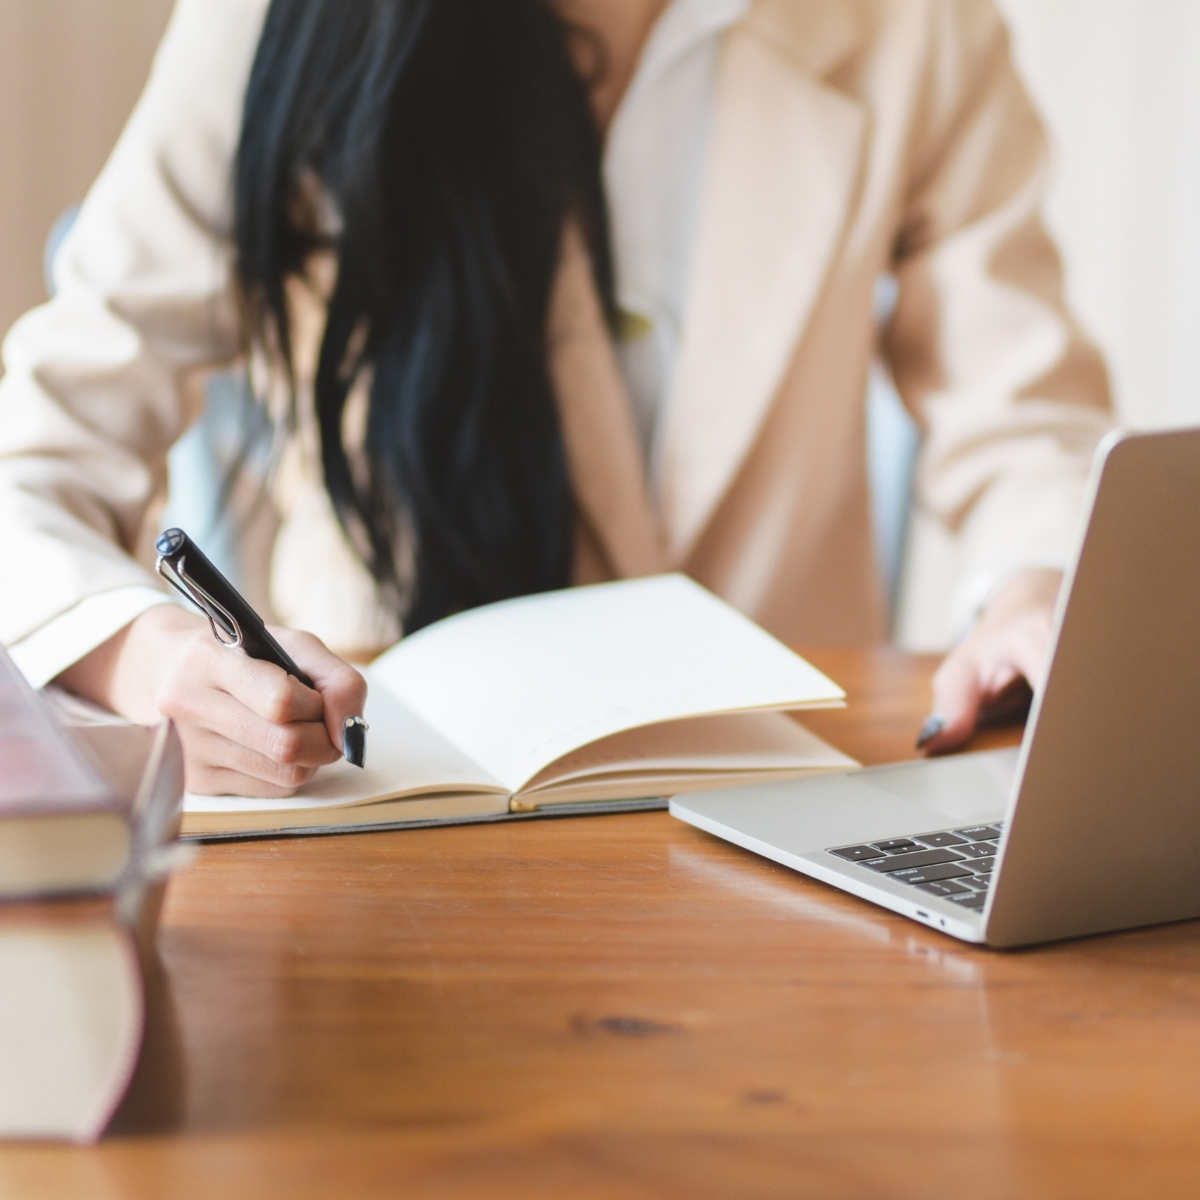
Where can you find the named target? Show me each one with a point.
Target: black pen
(234, 623)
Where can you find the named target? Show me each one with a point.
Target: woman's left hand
(1009, 641)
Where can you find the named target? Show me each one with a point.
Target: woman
(429, 223)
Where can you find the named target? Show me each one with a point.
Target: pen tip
(354, 741)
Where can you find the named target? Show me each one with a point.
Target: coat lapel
(783, 168)
(607, 473)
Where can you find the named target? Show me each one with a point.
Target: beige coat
(852, 138)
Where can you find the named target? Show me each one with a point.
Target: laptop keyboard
(955, 864)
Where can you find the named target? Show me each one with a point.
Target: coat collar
(816, 36)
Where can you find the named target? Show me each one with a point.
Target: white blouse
(653, 172)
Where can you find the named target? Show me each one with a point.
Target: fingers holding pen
(247, 726)
(279, 746)
(218, 764)
(332, 694)
(343, 689)
(262, 688)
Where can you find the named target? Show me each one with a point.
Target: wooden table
(624, 1006)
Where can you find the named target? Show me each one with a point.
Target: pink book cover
(42, 768)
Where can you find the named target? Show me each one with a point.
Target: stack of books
(88, 825)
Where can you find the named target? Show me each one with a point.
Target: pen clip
(219, 617)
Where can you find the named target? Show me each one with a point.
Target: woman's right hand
(247, 727)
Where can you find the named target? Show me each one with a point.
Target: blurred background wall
(1116, 80)
(70, 71)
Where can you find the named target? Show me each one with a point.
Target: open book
(618, 694)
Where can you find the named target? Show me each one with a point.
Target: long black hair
(455, 140)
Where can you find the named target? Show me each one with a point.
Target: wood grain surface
(623, 1006)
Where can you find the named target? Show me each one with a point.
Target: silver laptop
(1094, 823)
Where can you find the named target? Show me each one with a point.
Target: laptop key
(973, 900)
(980, 833)
(977, 849)
(937, 871)
(982, 866)
(944, 887)
(855, 853)
(897, 846)
(939, 839)
(979, 883)
(922, 858)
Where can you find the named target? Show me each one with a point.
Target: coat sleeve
(1011, 396)
(92, 398)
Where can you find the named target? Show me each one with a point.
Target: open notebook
(598, 697)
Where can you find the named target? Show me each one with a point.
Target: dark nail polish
(354, 741)
(933, 726)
